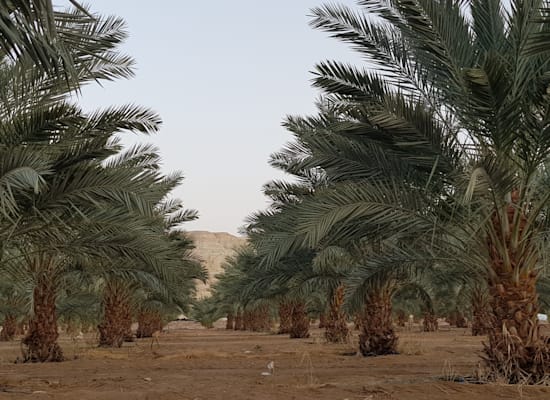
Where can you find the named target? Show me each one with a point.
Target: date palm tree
(53, 184)
(454, 127)
(64, 204)
(330, 164)
(40, 36)
(79, 49)
(150, 287)
(67, 206)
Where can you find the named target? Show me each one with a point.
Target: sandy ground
(199, 364)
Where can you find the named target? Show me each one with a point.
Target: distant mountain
(213, 248)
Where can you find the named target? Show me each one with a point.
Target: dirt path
(198, 364)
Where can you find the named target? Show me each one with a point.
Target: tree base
(9, 328)
(300, 322)
(508, 359)
(148, 323)
(285, 318)
(37, 349)
(430, 324)
(110, 336)
(336, 326)
(371, 345)
(377, 336)
(337, 332)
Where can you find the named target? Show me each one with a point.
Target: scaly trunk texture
(230, 321)
(299, 321)
(401, 318)
(40, 343)
(148, 323)
(461, 320)
(430, 322)
(117, 317)
(358, 320)
(238, 321)
(9, 328)
(254, 321)
(377, 336)
(71, 328)
(481, 313)
(22, 328)
(336, 328)
(264, 319)
(259, 319)
(451, 318)
(246, 320)
(322, 320)
(516, 350)
(456, 318)
(285, 317)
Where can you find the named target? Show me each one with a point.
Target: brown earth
(198, 364)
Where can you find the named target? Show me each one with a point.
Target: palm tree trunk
(41, 339)
(148, 323)
(246, 320)
(430, 321)
(254, 321)
(22, 328)
(117, 317)
(456, 318)
(481, 313)
(377, 336)
(336, 330)
(515, 351)
(322, 320)
(238, 321)
(285, 317)
(9, 328)
(461, 320)
(230, 321)
(299, 320)
(358, 320)
(451, 318)
(264, 318)
(259, 319)
(401, 318)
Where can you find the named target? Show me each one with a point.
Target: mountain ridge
(212, 248)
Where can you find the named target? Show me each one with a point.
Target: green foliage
(76, 209)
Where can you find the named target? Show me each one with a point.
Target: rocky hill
(212, 248)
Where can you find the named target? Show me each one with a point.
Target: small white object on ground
(271, 369)
(542, 317)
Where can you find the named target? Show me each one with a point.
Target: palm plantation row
(423, 175)
(88, 230)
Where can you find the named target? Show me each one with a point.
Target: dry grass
(410, 348)
(448, 373)
(104, 354)
(198, 354)
(307, 366)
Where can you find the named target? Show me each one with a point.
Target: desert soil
(199, 364)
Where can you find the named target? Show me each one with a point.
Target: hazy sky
(222, 75)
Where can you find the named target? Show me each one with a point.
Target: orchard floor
(195, 363)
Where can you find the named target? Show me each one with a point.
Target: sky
(222, 75)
